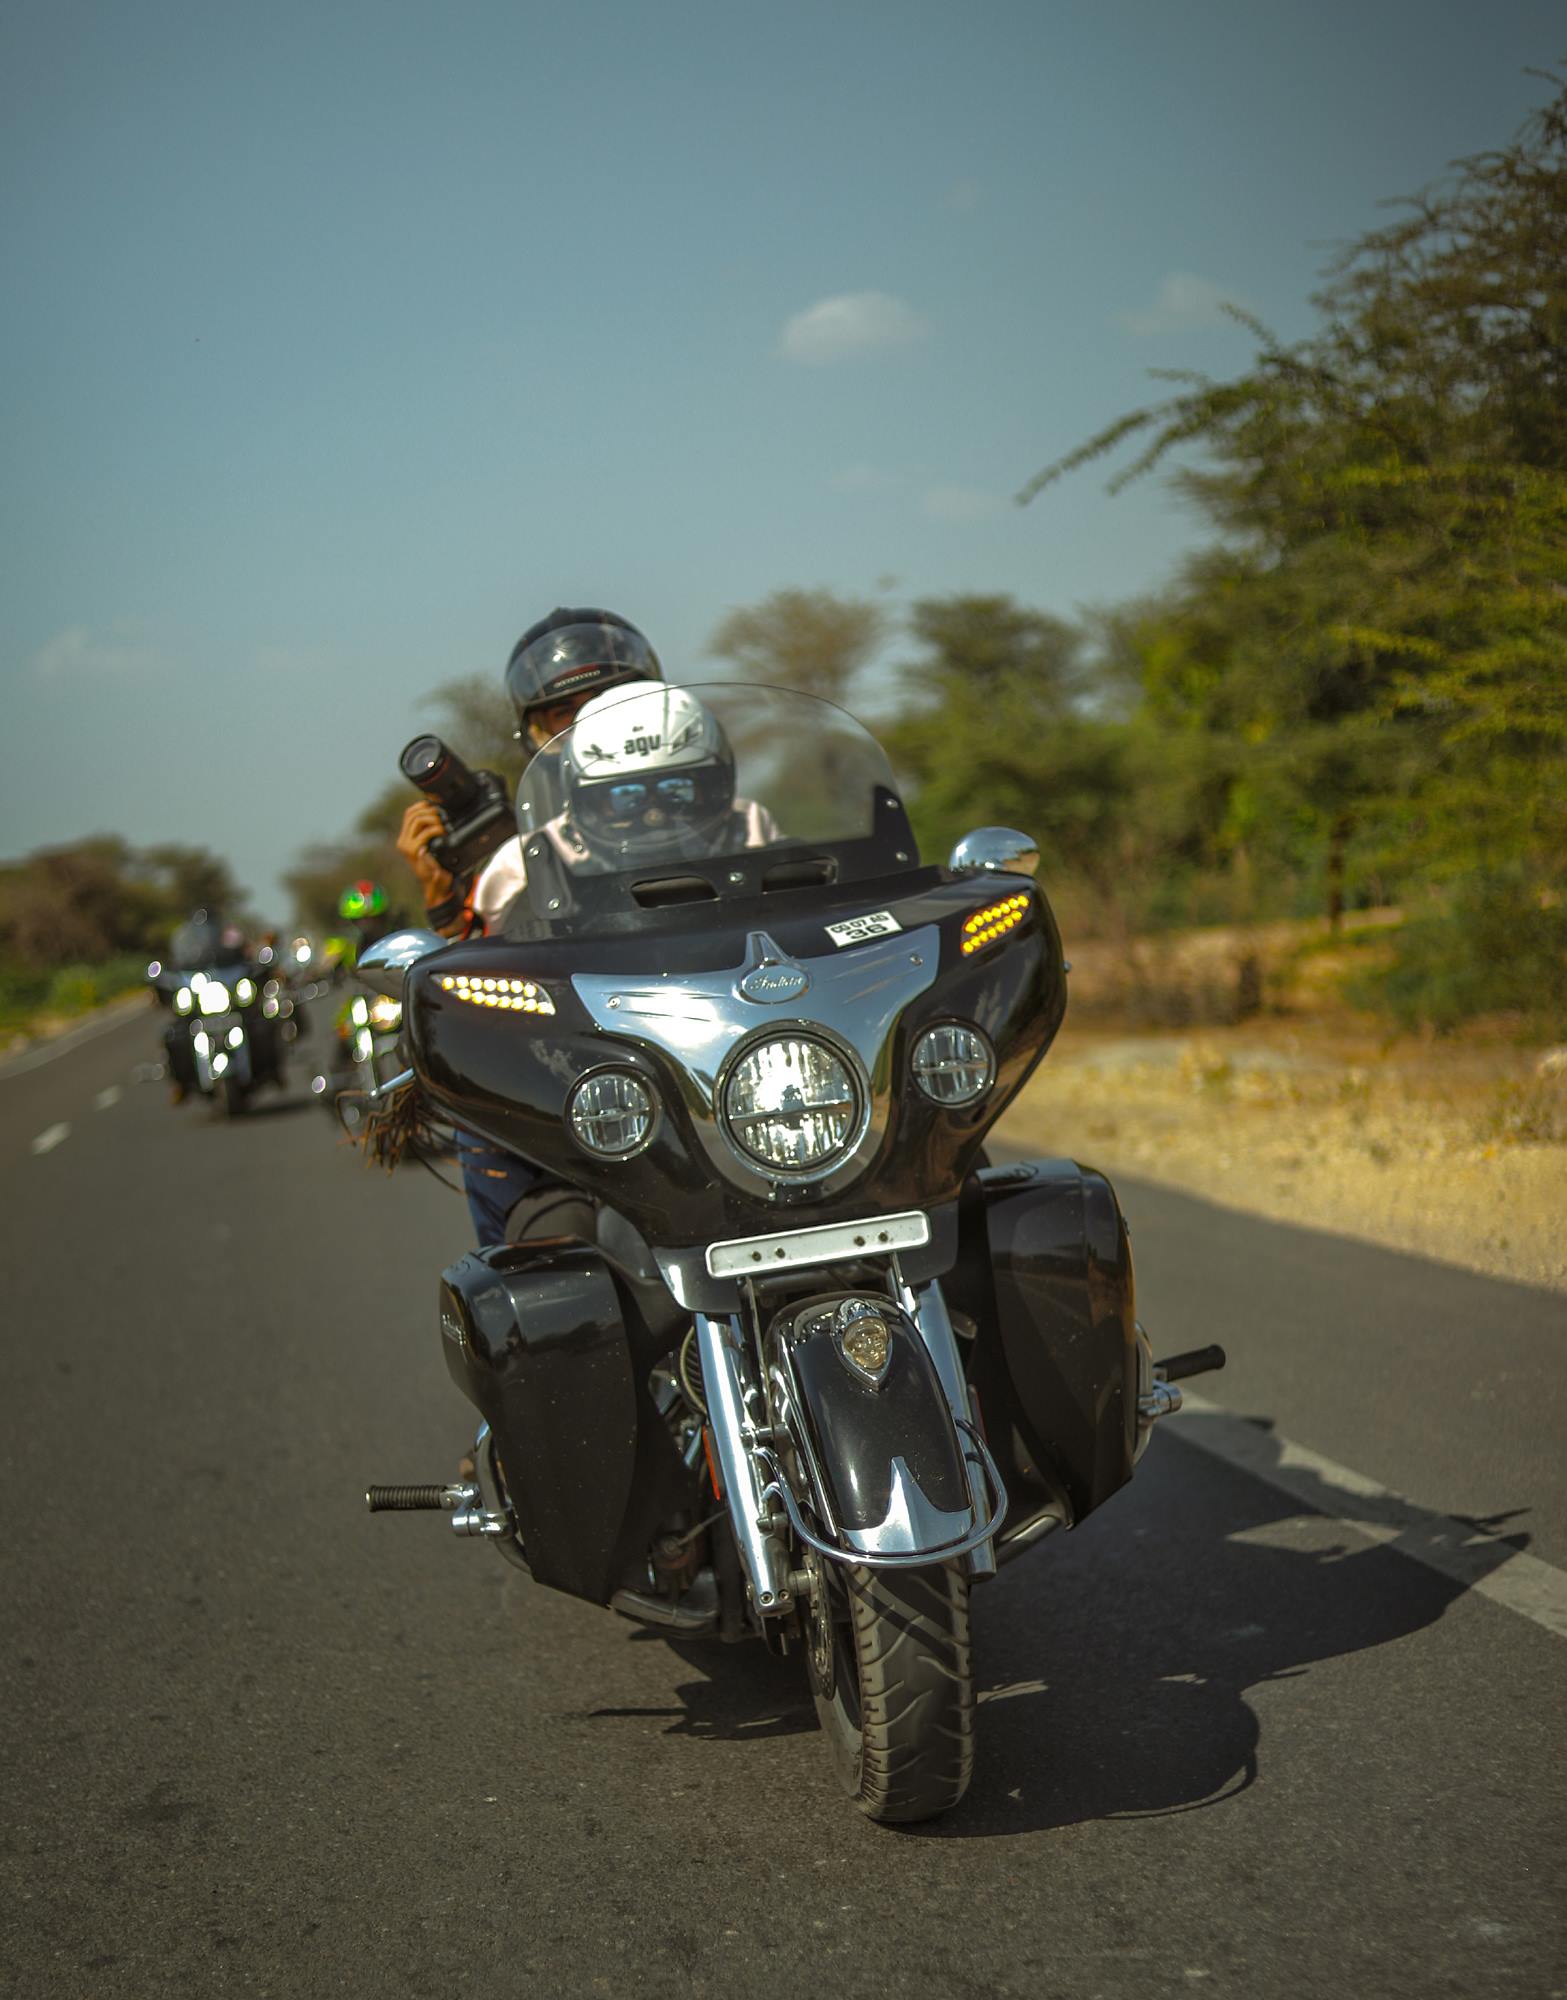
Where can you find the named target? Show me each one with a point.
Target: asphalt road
(1285, 1718)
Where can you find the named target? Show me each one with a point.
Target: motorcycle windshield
(660, 781)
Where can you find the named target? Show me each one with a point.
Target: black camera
(473, 805)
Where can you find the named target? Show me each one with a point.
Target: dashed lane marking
(47, 1141)
(106, 1099)
(1468, 1554)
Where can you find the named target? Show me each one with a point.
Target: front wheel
(892, 1672)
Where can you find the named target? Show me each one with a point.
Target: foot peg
(462, 1500)
(413, 1499)
(1161, 1398)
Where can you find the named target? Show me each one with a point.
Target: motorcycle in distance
(229, 1016)
(363, 1052)
(810, 1370)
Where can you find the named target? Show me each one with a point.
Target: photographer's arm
(446, 903)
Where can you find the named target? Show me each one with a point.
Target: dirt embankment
(1454, 1149)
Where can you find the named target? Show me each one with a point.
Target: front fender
(877, 1454)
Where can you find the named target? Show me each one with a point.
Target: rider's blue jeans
(494, 1183)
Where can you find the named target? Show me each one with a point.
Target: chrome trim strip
(822, 1243)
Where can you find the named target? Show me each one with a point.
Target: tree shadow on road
(1114, 1663)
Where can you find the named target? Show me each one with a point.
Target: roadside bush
(1499, 946)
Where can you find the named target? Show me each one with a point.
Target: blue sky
(339, 342)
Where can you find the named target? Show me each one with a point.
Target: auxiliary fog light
(611, 1114)
(245, 992)
(953, 1065)
(200, 1043)
(182, 1001)
(994, 921)
(220, 1063)
(520, 996)
(386, 1014)
(236, 1036)
(791, 1104)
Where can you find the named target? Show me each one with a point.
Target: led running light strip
(986, 925)
(519, 994)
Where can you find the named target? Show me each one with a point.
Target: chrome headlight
(792, 1104)
(611, 1114)
(214, 997)
(953, 1065)
(245, 992)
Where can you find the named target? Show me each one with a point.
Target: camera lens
(423, 757)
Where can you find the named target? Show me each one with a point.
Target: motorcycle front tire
(900, 1718)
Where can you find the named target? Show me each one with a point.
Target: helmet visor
(574, 661)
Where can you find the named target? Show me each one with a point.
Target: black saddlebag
(553, 1343)
(1045, 1278)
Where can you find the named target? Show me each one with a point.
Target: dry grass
(1452, 1149)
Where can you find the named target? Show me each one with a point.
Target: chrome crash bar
(984, 1529)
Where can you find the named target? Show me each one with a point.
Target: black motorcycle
(229, 1019)
(807, 1369)
(362, 1052)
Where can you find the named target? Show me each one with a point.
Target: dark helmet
(574, 653)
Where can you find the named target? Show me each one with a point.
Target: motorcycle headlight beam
(792, 1104)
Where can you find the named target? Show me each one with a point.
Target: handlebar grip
(1196, 1361)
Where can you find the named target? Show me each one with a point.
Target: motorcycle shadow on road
(1115, 1662)
(741, 1694)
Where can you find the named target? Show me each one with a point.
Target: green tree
(806, 639)
(1005, 722)
(1382, 630)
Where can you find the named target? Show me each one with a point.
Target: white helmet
(647, 771)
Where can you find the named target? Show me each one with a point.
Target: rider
(647, 774)
(555, 668)
(366, 916)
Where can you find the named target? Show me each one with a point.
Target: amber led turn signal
(519, 994)
(994, 921)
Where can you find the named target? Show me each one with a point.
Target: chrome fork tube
(721, 1345)
(928, 1310)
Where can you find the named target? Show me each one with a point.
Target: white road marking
(1485, 1563)
(107, 1098)
(47, 1141)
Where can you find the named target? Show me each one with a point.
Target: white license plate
(855, 930)
(825, 1243)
